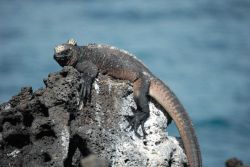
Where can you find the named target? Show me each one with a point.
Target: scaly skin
(93, 59)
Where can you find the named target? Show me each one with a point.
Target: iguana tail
(163, 95)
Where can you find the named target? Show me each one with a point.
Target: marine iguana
(95, 58)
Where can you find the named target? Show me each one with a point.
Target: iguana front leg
(88, 72)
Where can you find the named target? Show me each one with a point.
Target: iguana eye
(65, 52)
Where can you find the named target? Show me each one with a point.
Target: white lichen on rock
(65, 141)
(126, 149)
(154, 151)
(14, 153)
(96, 86)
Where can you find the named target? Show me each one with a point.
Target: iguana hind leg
(141, 114)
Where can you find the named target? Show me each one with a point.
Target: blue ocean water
(201, 49)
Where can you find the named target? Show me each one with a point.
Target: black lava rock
(50, 127)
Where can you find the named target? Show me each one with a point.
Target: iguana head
(66, 54)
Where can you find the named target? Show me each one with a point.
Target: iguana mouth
(62, 54)
(61, 59)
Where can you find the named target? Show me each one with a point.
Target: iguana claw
(136, 120)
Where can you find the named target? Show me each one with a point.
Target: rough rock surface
(49, 127)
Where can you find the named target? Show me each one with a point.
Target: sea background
(201, 49)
